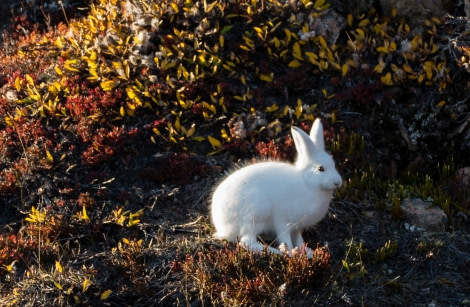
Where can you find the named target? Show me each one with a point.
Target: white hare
(277, 198)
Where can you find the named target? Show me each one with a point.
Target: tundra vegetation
(117, 121)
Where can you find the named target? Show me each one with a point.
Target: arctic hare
(277, 198)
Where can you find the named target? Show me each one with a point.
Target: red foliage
(106, 142)
(91, 101)
(13, 247)
(283, 150)
(363, 93)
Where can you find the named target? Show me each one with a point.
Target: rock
(462, 175)
(329, 25)
(420, 214)
(459, 185)
(415, 11)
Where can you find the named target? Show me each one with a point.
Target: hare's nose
(338, 183)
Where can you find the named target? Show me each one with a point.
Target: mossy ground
(109, 155)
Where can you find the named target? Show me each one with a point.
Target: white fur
(277, 198)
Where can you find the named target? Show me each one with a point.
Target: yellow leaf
(298, 108)
(214, 142)
(243, 47)
(108, 85)
(428, 67)
(323, 65)
(243, 79)
(441, 103)
(363, 23)
(11, 267)
(318, 3)
(350, 19)
(105, 295)
(361, 33)
(120, 220)
(122, 111)
(296, 51)
(49, 156)
(84, 214)
(18, 84)
(322, 42)
(58, 267)
(29, 79)
(380, 66)
(86, 284)
(267, 78)
(436, 20)
(36, 216)
(174, 6)
(383, 49)
(288, 35)
(407, 68)
(344, 69)
(132, 222)
(177, 124)
(58, 285)
(9, 120)
(126, 241)
(276, 42)
(305, 28)
(312, 57)
(59, 42)
(191, 131)
(199, 138)
(387, 79)
(294, 64)
(76, 299)
(415, 42)
(272, 108)
(33, 93)
(69, 65)
(221, 41)
(156, 131)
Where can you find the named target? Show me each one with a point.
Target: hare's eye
(321, 169)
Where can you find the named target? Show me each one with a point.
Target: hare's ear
(316, 135)
(304, 145)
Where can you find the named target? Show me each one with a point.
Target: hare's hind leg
(283, 235)
(300, 243)
(297, 238)
(253, 245)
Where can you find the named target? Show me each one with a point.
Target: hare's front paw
(283, 248)
(293, 251)
(307, 251)
(302, 250)
(286, 250)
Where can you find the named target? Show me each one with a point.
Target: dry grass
(366, 259)
(107, 160)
